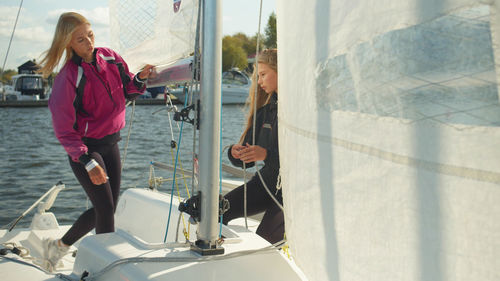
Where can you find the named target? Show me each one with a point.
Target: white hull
(230, 95)
(141, 218)
(25, 87)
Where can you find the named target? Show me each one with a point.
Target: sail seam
(446, 169)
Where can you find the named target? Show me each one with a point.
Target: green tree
(244, 41)
(7, 75)
(249, 44)
(233, 54)
(270, 40)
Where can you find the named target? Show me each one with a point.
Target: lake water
(32, 160)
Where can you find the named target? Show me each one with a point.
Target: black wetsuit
(104, 197)
(272, 226)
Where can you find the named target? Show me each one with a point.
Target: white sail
(152, 31)
(389, 138)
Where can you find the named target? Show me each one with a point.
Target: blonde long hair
(269, 57)
(66, 25)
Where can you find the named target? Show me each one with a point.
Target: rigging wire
(128, 135)
(174, 179)
(253, 130)
(188, 100)
(255, 115)
(174, 176)
(257, 50)
(220, 166)
(188, 90)
(10, 41)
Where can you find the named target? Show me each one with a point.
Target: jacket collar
(274, 98)
(78, 60)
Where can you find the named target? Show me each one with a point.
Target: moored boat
(25, 87)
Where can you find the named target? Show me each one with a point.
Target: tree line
(6, 76)
(236, 48)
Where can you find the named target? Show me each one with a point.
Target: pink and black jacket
(88, 99)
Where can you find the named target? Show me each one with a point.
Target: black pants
(272, 226)
(104, 197)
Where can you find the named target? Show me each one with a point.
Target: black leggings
(104, 197)
(272, 226)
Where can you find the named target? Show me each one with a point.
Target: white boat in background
(25, 87)
(235, 88)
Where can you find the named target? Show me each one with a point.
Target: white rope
(30, 260)
(271, 248)
(269, 192)
(173, 107)
(23, 251)
(128, 135)
(245, 195)
(257, 50)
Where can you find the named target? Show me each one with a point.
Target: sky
(38, 18)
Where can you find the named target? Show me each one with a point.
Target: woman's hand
(251, 153)
(148, 71)
(98, 176)
(236, 150)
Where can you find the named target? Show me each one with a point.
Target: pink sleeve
(64, 117)
(131, 86)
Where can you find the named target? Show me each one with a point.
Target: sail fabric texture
(152, 31)
(389, 136)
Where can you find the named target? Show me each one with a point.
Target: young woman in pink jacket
(88, 111)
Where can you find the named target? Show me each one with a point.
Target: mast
(209, 147)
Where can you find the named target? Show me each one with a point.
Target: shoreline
(43, 103)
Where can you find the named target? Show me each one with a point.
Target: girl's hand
(252, 153)
(98, 176)
(148, 71)
(236, 150)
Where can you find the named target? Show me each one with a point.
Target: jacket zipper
(103, 83)
(86, 129)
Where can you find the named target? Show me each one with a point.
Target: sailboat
(235, 88)
(147, 244)
(389, 167)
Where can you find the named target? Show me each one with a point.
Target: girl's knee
(105, 208)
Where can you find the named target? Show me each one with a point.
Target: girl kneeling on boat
(88, 111)
(272, 226)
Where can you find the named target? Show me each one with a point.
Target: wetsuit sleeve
(273, 157)
(64, 117)
(234, 161)
(238, 162)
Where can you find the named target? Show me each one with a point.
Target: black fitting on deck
(192, 206)
(14, 250)
(183, 115)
